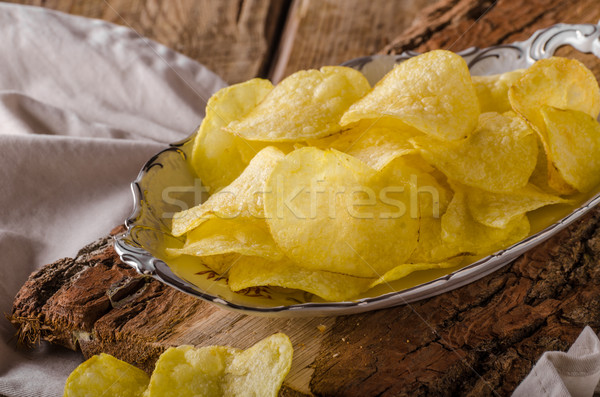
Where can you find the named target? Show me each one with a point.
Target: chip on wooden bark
(215, 371)
(104, 374)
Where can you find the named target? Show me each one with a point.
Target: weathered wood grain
(233, 38)
(329, 32)
(458, 24)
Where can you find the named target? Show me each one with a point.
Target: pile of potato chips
(327, 185)
(188, 371)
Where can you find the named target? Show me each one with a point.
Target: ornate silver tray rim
(542, 44)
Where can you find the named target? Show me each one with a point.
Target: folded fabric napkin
(574, 373)
(83, 104)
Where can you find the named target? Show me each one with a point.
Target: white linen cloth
(558, 374)
(83, 104)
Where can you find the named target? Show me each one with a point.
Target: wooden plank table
(478, 340)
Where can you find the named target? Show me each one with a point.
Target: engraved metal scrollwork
(502, 58)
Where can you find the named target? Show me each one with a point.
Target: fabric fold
(575, 373)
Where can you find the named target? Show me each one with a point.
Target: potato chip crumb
(321, 327)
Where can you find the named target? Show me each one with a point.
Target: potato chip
(243, 198)
(222, 371)
(376, 146)
(253, 272)
(187, 371)
(500, 209)
(432, 92)
(492, 91)
(261, 369)
(223, 236)
(499, 157)
(559, 82)
(104, 374)
(306, 105)
(431, 248)
(461, 230)
(362, 224)
(539, 176)
(428, 193)
(402, 271)
(573, 142)
(219, 157)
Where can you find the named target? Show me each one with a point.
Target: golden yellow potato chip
(492, 91)
(219, 157)
(222, 371)
(106, 375)
(432, 92)
(187, 371)
(500, 209)
(243, 198)
(306, 105)
(376, 146)
(427, 193)
(261, 369)
(402, 271)
(539, 176)
(461, 230)
(573, 144)
(499, 157)
(431, 248)
(253, 272)
(559, 82)
(222, 236)
(329, 211)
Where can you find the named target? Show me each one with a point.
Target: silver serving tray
(166, 184)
